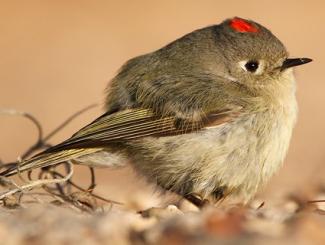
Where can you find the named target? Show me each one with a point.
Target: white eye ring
(258, 71)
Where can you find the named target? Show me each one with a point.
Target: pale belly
(240, 156)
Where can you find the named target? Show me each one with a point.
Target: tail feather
(48, 159)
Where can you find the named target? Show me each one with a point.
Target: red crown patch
(241, 25)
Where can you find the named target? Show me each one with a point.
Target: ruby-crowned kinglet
(208, 116)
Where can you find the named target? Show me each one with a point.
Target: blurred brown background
(56, 57)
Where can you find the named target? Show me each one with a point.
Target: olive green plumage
(209, 115)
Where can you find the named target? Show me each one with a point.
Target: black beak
(294, 62)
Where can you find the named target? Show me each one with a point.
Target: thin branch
(84, 190)
(37, 183)
(42, 142)
(316, 201)
(62, 181)
(67, 121)
(34, 120)
(92, 180)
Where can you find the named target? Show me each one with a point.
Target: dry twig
(36, 183)
(61, 182)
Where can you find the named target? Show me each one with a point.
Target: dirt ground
(58, 56)
(85, 221)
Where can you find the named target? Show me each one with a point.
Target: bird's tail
(46, 159)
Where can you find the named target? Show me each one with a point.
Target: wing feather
(118, 127)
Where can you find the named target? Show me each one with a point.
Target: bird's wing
(138, 123)
(121, 126)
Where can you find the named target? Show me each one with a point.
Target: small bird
(209, 116)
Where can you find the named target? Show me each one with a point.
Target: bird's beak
(287, 63)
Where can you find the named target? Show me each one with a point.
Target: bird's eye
(251, 65)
